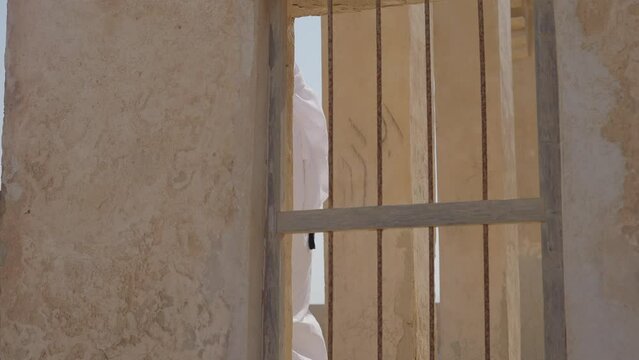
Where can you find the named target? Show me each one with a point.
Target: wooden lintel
(410, 216)
(299, 8)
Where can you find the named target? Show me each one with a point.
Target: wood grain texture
(550, 181)
(407, 216)
(274, 296)
(318, 7)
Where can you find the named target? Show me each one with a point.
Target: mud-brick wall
(599, 89)
(133, 183)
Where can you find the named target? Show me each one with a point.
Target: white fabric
(310, 190)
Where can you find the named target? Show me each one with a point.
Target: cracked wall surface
(598, 55)
(133, 184)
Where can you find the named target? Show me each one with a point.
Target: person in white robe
(310, 190)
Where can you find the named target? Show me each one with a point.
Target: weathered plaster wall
(132, 192)
(599, 88)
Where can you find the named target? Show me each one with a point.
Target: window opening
(432, 214)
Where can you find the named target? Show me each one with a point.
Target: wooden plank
(550, 181)
(408, 216)
(318, 7)
(286, 269)
(274, 312)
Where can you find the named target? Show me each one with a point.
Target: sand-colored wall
(599, 98)
(133, 184)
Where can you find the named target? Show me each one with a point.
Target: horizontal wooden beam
(411, 216)
(301, 8)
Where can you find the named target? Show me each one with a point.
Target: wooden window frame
(545, 210)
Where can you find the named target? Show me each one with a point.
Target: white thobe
(310, 190)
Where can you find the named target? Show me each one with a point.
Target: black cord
(311, 241)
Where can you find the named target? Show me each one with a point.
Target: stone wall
(133, 185)
(599, 95)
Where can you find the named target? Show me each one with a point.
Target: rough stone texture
(599, 89)
(132, 192)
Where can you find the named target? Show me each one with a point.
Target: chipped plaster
(597, 50)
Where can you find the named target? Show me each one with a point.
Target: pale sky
(308, 56)
(308, 50)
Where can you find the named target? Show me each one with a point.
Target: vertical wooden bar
(380, 183)
(484, 160)
(550, 180)
(275, 317)
(331, 112)
(431, 180)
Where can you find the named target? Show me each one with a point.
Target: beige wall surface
(133, 185)
(599, 95)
